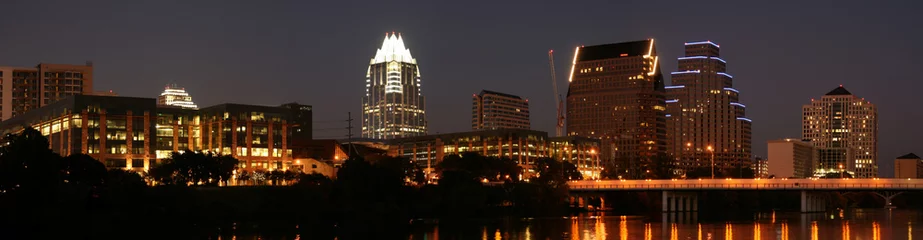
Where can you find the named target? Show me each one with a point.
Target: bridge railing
(750, 184)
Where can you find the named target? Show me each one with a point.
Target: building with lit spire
(176, 96)
(844, 129)
(706, 122)
(393, 105)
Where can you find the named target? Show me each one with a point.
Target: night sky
(781, 53)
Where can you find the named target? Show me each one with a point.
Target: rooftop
(616, 50)
(839, 91)
(909, 156)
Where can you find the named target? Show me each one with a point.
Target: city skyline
(132, 62)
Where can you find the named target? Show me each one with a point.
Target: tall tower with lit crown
(176, 96)
(706, 122)
(393, 105)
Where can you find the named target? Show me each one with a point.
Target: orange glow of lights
(573, 65)
(653, 69)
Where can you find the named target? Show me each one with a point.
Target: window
(137, 163)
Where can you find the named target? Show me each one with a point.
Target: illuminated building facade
(118, 131)
(133, 133)
(494, 110)
(393, 105)
(705, 119)
(616, 94)
(844, 129)
(24, 89)
(908, 166)
(176, 96)
(520, 145)
(791, 158)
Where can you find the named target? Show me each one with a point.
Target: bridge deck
(748, 184)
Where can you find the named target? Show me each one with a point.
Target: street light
(841, 171)
(712, 150)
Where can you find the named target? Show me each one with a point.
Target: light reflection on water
(858, 224)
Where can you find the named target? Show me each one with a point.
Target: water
(855, 224)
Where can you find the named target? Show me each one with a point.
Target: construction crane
(559, 129)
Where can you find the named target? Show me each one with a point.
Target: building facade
(908, 166)
(393, 105)
(493, 110)
(134, 133)
(705, 119)
(791, 158)
(844, 129)
(176, 96)
(24, 89)
(519, 145)
(616, 94)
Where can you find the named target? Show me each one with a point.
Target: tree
(83, 169)
(197, 168)
(27, 162)
(401, 168)
(555, 173)
(490, 168)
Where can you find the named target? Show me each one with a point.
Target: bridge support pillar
(679, 201)
(813, 202)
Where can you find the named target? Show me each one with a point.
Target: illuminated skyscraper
(616, 94)
(176, 96)
(393, 105)
(705, 120)
(844, 128)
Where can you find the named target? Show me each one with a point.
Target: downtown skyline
(771, 56)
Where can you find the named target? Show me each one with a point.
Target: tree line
(76, 196)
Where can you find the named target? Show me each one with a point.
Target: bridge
(681, 195)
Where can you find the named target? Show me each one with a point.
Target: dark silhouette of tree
(196, 168)
(83, 169)
(27, 163)
(313, 179)
(554, 173)
(401, 168)
(490, 168)
(275, 177)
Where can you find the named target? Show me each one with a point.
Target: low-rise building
(908, 166)
(133, 133)
(519, 145)
(791, 158)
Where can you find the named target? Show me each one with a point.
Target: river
(854, 224)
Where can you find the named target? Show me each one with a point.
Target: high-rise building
(791, 158)
(706, 122)
(908, 166)
(175, 96)
(493, 110)
(844, 129)
(393, 105)
(302, 121)
(24, 89)
(760, 167)
(616, 94)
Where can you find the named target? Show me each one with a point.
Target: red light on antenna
(841, 85)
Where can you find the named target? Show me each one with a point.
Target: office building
(791, 158)
(493, 110)
(176, 96)
(520, 145)
(616, 94)
(23, 89)
(134, 133)
(844, 129)
(705, 120)
(393, 105)
(302, 120)
(760, 167)
(908, 166)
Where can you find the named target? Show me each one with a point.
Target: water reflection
(867, 224)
